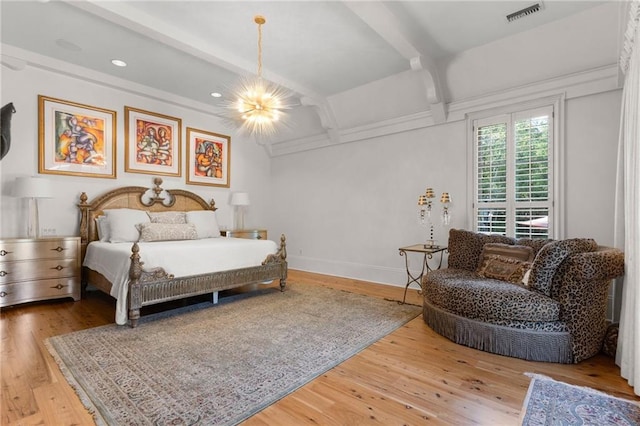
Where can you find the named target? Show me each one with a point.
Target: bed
(146, 280)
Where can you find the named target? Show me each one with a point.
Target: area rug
(220, 364)
(550, 402)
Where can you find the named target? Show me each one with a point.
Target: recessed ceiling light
(118, 63)
(65, 44)
(216, 94)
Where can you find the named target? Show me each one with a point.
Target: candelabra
(445, 199)
(425, 206)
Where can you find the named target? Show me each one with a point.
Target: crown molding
(38, 61)
(584, 83)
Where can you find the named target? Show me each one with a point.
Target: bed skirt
(531, 345)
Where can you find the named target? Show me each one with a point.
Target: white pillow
(102, 226)
(122, 224)
(206, 223)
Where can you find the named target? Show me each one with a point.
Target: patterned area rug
(219, 364)
(549, 402)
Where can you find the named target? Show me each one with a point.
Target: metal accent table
(428, 252)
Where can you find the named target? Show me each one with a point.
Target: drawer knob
(4, 252)
(259, 237)
(3, 273)
(59, 268)
(58, 249)
(59, 286)
(3, 294)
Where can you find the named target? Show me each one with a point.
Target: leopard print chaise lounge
(558, 317)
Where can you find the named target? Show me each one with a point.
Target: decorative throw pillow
(102, 226)
(550, 257)
(503, 268)
(167, 217)
(122, 224)
(465, 248)
(167, 231)
(205, 222)
(523, 253)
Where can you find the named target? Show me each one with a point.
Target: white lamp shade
(32, 187)
(240, 199)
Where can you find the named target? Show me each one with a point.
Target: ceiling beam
(384, 22)
(122, 14)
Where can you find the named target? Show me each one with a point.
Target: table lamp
(239, 200)
(33, 188)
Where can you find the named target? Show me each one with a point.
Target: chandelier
(259, 104)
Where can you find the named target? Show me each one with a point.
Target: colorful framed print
(152, 143)
(208, 158)
(76, 139)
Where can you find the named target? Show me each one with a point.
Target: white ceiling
(315, 48)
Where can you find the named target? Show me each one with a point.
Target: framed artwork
(76, 139)
(152, 143)
(208, 158)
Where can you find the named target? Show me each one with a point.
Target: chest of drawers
(39, 269)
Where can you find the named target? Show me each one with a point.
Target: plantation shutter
(513, 176)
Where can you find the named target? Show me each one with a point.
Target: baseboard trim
(396, 277)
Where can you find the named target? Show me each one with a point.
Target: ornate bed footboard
(148, 287)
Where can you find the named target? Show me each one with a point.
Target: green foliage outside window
(530, 161)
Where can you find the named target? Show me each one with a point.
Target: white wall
(347, 209)
(592, 149)
(250, 165)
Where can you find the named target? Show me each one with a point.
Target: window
(513, 174)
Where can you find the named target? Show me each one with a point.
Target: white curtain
(627, 221)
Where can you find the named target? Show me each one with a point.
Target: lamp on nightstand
(33, 188)
(239, 200)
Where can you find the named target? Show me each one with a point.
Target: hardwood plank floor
(411, 376)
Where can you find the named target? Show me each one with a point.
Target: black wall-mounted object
(5, 128)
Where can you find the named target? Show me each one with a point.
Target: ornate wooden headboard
(136, 197)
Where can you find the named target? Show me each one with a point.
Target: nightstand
(39, 269)
(251, 234)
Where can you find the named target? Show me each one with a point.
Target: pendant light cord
(260, 21)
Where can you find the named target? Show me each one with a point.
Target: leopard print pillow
(465, 247)
(551, 256)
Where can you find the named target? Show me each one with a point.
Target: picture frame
(153, 143)
(208, 158)
(76, 139)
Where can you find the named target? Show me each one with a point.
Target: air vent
(524, 12)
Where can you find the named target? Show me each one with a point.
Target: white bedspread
(180, 258)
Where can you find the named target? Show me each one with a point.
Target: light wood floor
(412, 376)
